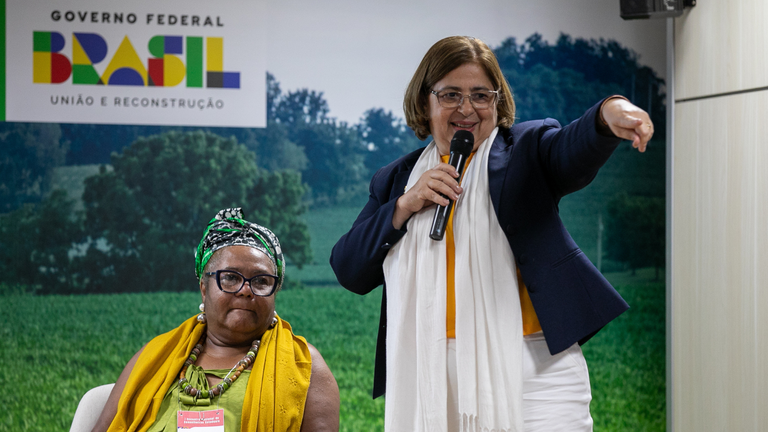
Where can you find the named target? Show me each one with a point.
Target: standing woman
(481, 331)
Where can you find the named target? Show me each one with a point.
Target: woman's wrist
(600, 124)
(401, 215)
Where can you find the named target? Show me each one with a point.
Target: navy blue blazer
(531, 167)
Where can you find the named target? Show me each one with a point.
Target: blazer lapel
(497, 167)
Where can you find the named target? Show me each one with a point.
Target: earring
(201, 317)
(274, 320)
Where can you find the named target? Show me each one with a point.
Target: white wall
(719, 219)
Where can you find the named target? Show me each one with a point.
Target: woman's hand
(627, 121)
(426, 192)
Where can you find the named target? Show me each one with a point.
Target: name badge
(200, 421)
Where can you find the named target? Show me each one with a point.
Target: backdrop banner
(188, 63)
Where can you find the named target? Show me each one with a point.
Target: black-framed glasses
(480, 99)
(230, 281)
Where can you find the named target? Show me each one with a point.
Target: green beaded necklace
(226, 382)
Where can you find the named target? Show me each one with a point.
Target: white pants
(556, 391)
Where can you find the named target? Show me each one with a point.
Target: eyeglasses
(232, 282)
(480, 99)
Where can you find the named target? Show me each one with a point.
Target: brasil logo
(164, 69)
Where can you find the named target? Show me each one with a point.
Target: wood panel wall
(719, 218)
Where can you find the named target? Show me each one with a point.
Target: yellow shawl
(276, 392)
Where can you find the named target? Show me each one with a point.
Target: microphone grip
(443, 212)
(440, 221)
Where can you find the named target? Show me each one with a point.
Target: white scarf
(489, 333)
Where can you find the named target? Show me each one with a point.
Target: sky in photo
(362, 53)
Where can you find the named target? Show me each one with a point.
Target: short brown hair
(443, 57)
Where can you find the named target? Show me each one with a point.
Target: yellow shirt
(530, 320)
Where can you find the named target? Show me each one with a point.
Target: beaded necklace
(226, 382)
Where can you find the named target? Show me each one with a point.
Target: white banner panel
(169, 62)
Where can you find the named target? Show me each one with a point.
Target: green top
(231, 400)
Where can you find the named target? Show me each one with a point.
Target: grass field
(55, 348)
(627, 359)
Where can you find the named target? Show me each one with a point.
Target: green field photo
(99, 223)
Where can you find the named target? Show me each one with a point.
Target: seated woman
(236, 360)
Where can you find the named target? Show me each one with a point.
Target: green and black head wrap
(229, 228)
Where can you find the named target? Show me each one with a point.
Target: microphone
(461, 147)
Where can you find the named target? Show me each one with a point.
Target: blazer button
(386, 246)
(522, 259)
(531, 288)
(510, 230)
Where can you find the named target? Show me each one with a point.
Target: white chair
(90, 407)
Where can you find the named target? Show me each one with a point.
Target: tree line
(144, 216)
(158, 186)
